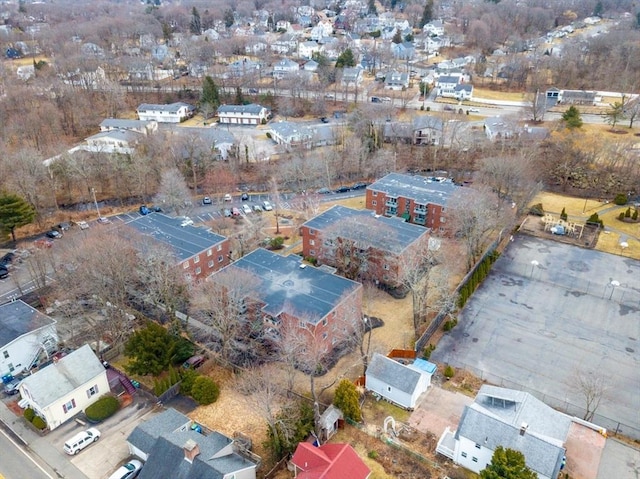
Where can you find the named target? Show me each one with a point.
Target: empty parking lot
(548, 310)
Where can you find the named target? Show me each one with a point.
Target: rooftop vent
(523, 428)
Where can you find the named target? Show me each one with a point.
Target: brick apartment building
(198, 251)
(363, 245)
(281, 291)
(416, 199)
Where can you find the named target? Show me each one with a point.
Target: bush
(347, 400)
(39, 423)
(594, 220)
(426, 354)
(620, 199)
(312, 260)
(103, 408)
(621, 216)
(205, 391)
(563, 215)
(449, 372)
(634, 216)
(276, 243)
(188, 378)
(269, 135)
(536, 210)
(372, 455)
(627, 214)
(29, 414)
(450, 324)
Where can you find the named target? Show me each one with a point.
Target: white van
(81, 440)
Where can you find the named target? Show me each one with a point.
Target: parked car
(246, 208)
(144, 210)
(324, 119)
(375, 99)
(103, 220)
(186, 221)
(64, 226)
(127, 471)
(226, 213)
(53, 234)
(235, 212)
(43, 243)
(342, 189)
(12, 386)
(157, 209)
(266, 205)
(206, 200)
(83, 225)
(359, 186)
(194, 362)
(474, 110)
(253, 91)
(324, 191)
(228, 197)
(244, 197)
(81, 440)
(257, 208)
(4, 272)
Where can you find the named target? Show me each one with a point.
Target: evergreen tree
(616, 114)
(598, 9)
(571, 118)
(14, 213)
(397, 37)
(195, 26)
(507, 464)
(229, 18)
(346, 59)
(210, 94)
(372, 10)
(239, 96)
(347, 400)
(150, 350)
(427, 13)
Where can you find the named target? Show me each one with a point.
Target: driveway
(619, 460)
(437, 410)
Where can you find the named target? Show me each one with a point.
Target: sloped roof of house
(329, 461)
(17, 318)
(448, 79)
(147, 432)
(210, 136)
(62, 377)
(126, 136)
(421, 122)
(286, 286)
(288, 130)
(184, 241)
(170, 108)
(252, 109)
(421, 189)
(117, 123)
(387, 234)
(393, 373)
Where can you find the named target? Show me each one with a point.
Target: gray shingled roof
(118, 135)
(59, 379)
(166, 458)
(17, 318)
(421, 189)
(185, 242)
(252, 109)
(393, 373)
(284, 285)
(448, 79)
(287, 129)
(146, 433)
(362, 226)
(427, 121)
(171, 108)
(117, 123)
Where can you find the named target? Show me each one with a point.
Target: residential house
(307, 49)
(434, 28)
(193, 143)
(113, 141)
(321, 30)
(395, 80)
(403, 51)
(446, 85)
(284, 44)
(291, 134)
(25, 334)
(198, 251)
(25, 72)
(171, 113)
(66, 387)
(418, 199)
(433, 44)
(463, 91)
(159, 52)
(498, 128)
(511, 419)
(211, 34)
(427, 130)
(285, 68)
(328, 461)
(399, 383)
(397, 132)
(283, 25)
(144, 127)
(351, 76)
(240, 68)
(311, 66)
(282, 292)
(359, 243)
(174, 446)
(251, 114)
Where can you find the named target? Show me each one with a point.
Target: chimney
(523, 428)
(191, 450)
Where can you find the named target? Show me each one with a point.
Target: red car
(235, 212)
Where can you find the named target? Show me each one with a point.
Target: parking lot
(548, 311)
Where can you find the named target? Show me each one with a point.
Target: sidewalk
(51, 458)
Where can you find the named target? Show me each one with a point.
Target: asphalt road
(16, 463)
(548, 311)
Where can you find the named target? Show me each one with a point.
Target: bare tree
(593, 387)
(173, 194)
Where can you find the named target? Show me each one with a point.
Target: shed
(395, 382)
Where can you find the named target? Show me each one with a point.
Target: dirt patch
(584, 450)
(586, 238)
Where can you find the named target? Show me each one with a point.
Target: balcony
(420, 210)
(420, 220)
(391, 211)
(391, 203)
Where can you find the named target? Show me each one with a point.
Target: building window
(374, 193)
(374, 203)
(92, 391)
(312, 243)
(442, 220)
(219, 247)
(209, 252)
(474, 459)
(196, 259)
(210, 264)
(185, 265)
(312, 232)
(11, 367)
(389, 389)
(478, 446)
(69, 406)
(198, 270)
(464, 454)
(5, 354)
(312, 252)
(324, 335)
(385, 267)
(324, 322)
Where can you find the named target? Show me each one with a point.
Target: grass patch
(609, 242)
(376, 411)
(489, 94)
(554, 203)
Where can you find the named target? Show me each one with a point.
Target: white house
(290, 134)
(395, 80)
(113, 141)
(511, 419)
(434, 28)
(144, 127)
(252, 114)
(307, 49)
(396, 382)
(172, 113)
(285, 68)
(321, 30)
(24, 334)
(351, 76)
(63, 389)
(446, 85)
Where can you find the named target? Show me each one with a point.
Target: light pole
(614, 284)
(93, 192)
(534, 264)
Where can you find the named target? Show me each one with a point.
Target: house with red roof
(329, 461)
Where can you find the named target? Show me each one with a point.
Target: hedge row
(477, 278)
